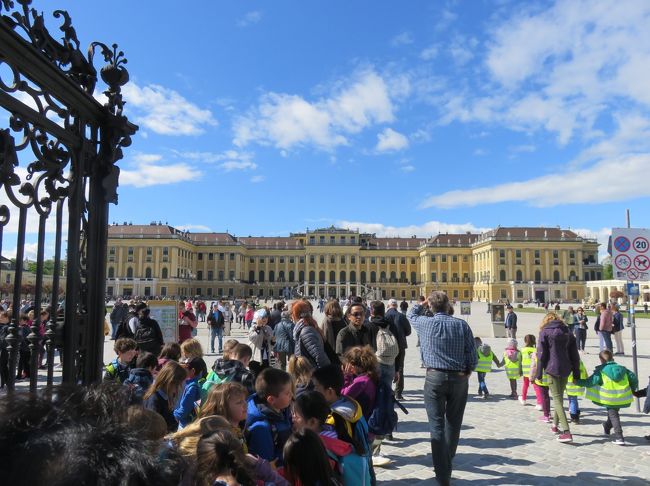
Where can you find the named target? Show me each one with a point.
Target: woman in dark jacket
(333, 322)
(308, 338)
(558, 356)
(162, 395)
(284, 345)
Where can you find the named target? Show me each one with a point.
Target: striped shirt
(446, 342)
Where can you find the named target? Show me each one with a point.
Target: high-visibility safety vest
(484, 362)
(526, 353)
(617, 394)
(572, 389)
(512, 367)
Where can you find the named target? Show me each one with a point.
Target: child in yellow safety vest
(573, 391)
(541, 386)
(611, 386)
(512, 363)
(485, 359)
(529, 349)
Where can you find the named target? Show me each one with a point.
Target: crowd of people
(296, 402)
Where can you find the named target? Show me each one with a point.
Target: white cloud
(407, 168)
(402, 39)
(425, 230)
(193, 227)
(251, 18)
(479, 152)
(603, 182)
(165, 111)
(429, 53)
(462, 49)
(390, 140)
(227, 160)
(561, 69)
(286, 121)
(258, 178)
(526, 148)
(145, 174)
(231, 165)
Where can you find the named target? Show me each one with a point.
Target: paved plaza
(502, 442)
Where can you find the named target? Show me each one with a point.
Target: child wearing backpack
(485, 359)
(268, 424)
(328, 380)
(611, 386)
(512, 363)
(573, 391)
(185, 411)
(530, 348)
(311, 411)
(306, 461)
(233, 368)
(120, 368)
(141, 377)
(229, 401)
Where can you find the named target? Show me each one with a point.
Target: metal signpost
(631, 261)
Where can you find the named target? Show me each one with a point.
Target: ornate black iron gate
(57, 156)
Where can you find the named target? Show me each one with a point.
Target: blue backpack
(353, 469)
(383, 418)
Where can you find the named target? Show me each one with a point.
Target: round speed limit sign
(640, 244)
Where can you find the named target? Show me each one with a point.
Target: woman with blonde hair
(300, 370)
(307, 336)
(190, 349)
(162, 395)
(557, 356)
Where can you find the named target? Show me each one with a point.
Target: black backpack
(123, 330)
(145, 336)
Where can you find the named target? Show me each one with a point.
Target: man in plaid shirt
(449, 354)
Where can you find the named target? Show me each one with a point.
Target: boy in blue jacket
(268, 424)
(185, 412)
(611, 386)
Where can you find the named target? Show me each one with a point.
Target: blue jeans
(445, 397)
(574, 407)
(482, 387)
(218, 333)
(605, 340)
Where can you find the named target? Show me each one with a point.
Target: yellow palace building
(514, 263)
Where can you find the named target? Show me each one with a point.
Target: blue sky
(399, 118)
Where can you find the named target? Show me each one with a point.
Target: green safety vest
(572, 389)
(526, 353)
(512, 367)
(615, 394)
(484, 362)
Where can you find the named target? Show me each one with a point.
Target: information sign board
(166, 313)
(631, 254)
(465, 308)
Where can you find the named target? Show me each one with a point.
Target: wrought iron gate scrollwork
(58, 155)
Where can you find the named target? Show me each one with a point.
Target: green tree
(608, 272)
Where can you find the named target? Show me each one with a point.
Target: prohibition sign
(642, 262)
(632, 274)
(622, 244)
(640, 244)
(622, 262)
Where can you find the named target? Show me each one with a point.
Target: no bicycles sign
(631, 253)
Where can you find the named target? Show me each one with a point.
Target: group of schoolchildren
(300, 427)
(611, 385)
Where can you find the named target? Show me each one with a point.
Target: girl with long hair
(229, 401)
(305, 460)
(162, 395)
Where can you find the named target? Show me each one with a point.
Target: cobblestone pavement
(502, 442)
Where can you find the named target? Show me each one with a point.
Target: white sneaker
(538, 407)
(522, 401)
(380, 461)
